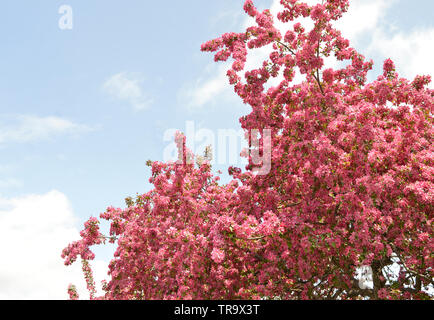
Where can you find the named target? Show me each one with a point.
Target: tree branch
(411, 271)
(317, 70)
(288, 48)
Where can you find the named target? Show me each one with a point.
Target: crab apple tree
(350, 183)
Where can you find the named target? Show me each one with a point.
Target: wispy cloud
(128, 87)
(26, 128)
(35, 229)
(229, 18)
(213, 84)
(10, 183)
(5, 168)
(362, 18)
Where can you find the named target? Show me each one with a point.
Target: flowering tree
(350, 186)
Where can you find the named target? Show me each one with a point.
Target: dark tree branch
(288, 48)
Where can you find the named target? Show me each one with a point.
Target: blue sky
(82, 110)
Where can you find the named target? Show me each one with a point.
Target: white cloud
(26, 128)
(128, 87)
(411, 52)
(362, 18)
(35, 229)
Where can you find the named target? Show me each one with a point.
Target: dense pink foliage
(351, 183)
